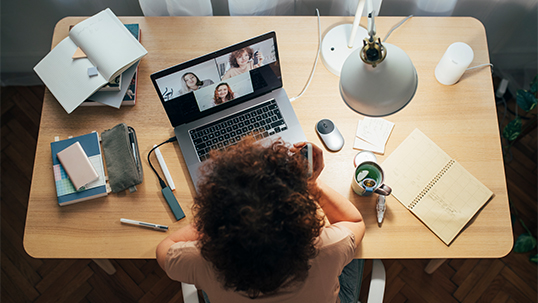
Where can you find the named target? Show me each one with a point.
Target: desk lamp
(377, 79)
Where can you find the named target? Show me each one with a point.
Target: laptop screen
(224, 78)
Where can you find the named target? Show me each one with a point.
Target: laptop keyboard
(259, 121)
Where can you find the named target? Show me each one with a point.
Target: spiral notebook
(433, 186)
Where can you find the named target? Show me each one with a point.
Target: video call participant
(259, 232)
(242, 61)
(190, 82)
(223, 93)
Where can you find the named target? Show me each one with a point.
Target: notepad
(372, 134)
(434, 187)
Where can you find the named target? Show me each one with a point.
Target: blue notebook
(65, 190)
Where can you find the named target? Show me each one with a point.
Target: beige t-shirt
(235, 71)
(336, 249)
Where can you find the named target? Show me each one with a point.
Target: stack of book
(95, 53)
(74, 170)
(127, 83)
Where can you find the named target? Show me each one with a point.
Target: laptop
(215, 100)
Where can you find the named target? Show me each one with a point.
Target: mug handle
(384, 190)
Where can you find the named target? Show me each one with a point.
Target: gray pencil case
(122, 158)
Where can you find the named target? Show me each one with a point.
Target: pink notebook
(77, 165)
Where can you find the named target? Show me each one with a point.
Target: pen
(380, 208)
(131, 138)
(150, 225)
(164, 168)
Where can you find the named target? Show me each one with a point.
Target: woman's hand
(259, 55)
(317, 158)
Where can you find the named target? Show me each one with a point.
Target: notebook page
(109, 45)
(451, 202)
(66, 78)
(414, 163)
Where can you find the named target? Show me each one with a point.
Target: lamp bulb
(373, 52)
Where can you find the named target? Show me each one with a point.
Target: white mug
(368, 178)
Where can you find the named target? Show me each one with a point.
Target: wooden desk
(461, 119)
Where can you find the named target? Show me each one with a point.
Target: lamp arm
(371, 24)
(356, 21)
(373, 51)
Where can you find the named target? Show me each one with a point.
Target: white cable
(480, 66)
(315, 62)
(396, 26)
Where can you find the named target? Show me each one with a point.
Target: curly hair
(235, 54)
(257, 214)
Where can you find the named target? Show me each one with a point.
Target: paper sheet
(372, 134)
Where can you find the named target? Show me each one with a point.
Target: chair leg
(190, 293)
(377, 284)
(433, 265)
(106, 265)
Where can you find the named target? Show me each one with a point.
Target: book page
(414, 163)
(452, 202)
(68, 79)
(107, 43)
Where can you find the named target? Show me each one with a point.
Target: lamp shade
(381, 90)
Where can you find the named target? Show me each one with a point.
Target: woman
(259, 230)
(242, 61)
(223, 93)
(190, 82)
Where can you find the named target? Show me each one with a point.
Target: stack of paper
(372, 134)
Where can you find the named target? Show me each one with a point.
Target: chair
(176, 7)
(252, 7)
(375, 295)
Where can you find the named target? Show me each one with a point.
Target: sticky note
(92, 71)
(79, 54)
(372, 134)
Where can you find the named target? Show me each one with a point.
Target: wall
(27, 27)
(511, 27)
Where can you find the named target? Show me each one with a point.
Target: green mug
(368, 178)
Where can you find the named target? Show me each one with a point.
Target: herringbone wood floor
(24, 279)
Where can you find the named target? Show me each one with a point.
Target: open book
(434, 187)
(109, 46)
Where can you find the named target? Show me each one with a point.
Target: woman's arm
(336, 207)
(187, 233)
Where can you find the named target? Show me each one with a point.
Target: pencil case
(122, 158)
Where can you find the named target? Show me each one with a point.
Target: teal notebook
(65, 190)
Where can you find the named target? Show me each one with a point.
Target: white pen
(380, 207)
(145, 224)
(164, 168)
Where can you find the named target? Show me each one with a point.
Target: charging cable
(319, 50)
(315, 61)
(396, 26)
(161, 181)
(166, 191)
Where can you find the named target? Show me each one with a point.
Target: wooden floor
(24, 279)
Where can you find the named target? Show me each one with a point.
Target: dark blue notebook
(65, 190)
